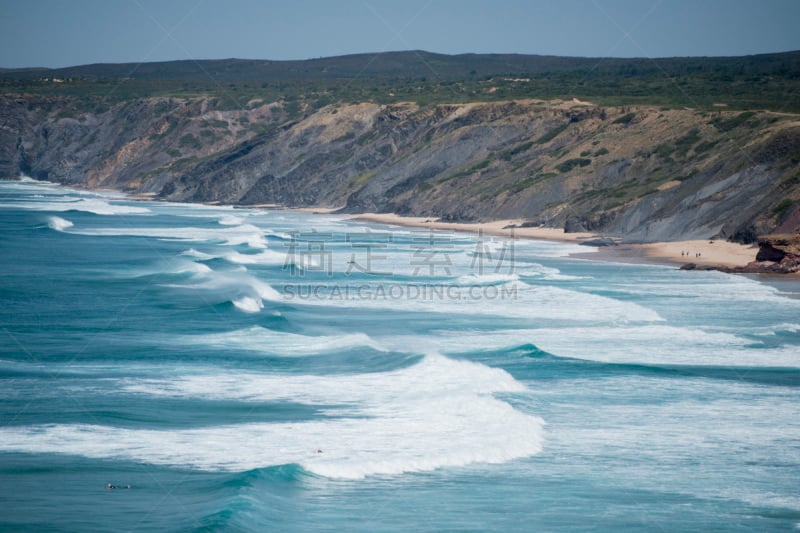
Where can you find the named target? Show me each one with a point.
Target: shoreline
(667, 253)
(670, 253)
(498, 228)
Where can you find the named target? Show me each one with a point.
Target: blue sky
(56, 33)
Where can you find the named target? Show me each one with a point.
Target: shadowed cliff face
(642, 173)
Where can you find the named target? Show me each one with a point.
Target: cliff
(778, 253)
(643, 173)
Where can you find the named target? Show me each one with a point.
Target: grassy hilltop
(767, 81)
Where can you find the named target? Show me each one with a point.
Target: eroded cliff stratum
(644, 173)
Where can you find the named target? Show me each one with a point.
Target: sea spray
(58, 223)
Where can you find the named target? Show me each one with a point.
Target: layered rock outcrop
(779, 253)
(640, 173)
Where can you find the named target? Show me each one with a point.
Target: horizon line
(413, 51)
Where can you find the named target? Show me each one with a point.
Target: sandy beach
(497, 227)
(701, 252)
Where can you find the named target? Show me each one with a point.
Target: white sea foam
(30, 184)
(459, 263)
(267, 257)
(541, 272)
(486, 279)
(249, 304)
(243, 290)
(232, 235)
(58, 223)
(180, 264)
(27, 179)
(552, 248)
(434, 375)
(97, 206)
(514, 299)
(783, 327)
(709, 287)
(282, 235)
(528, 270)
(637, 344)
(706, 427)
(191, 252)
(180, 267)
(435, 414)
(303, 261)
(281, 343)
(230, 220)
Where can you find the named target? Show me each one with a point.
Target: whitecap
(181, 267)
(231, 220)
(709, 286)
(58, 223)
(784, 327)
(434, 414)
(514, 299)
(541, 272)
(232, 235)
(246, 292)
(486, 279)
(27, 179)
(267, 257)
(656, 344)
(279, 235)
(97, 206)
(282, 343)
(437, 413)
(191, 252)
(249, 304)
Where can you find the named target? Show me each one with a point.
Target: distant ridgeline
(647, 149)
(764, 81)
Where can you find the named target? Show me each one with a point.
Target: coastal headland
(550, 146)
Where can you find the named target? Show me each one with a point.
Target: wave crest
(436, 413)
(58, 223)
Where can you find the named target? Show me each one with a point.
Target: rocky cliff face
(779, 253)
(641, 173)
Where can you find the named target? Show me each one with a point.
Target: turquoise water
(251, 370)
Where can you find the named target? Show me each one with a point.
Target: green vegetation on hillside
(766, 81)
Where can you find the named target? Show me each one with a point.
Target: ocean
(271, 370)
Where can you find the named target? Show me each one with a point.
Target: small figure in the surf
(110, 486)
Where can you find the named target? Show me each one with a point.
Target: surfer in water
(111, 486)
